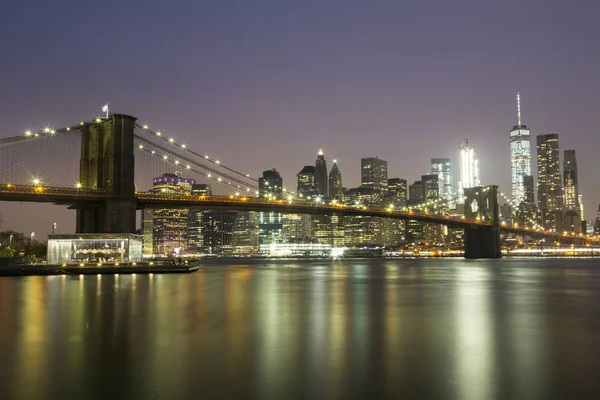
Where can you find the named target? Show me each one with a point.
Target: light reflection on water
(348, 329)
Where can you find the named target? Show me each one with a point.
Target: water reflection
(349, 329)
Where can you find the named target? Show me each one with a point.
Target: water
(354, 329)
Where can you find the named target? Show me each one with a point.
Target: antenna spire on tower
(518, 109)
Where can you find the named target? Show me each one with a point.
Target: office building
(469, 168)
(571, 186)
(306, 186)
(442, 167)
(321, 179)
(374, 173)
(196, 220)
(170, 226)
(549, 179)
(335, 183)
(397, 192)
(270, 224)
(529, 188)
(394, 230)
(244, 235)
(520, 156)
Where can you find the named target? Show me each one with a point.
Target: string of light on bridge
(189, 167)
(183, 146)
(533, 223)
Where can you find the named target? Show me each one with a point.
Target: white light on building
(469, 167)
(520, 156)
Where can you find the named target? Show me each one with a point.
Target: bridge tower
(107, 163)
(481, 241)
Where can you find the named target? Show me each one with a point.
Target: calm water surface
(353, 329)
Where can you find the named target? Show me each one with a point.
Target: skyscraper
(442, 167)
(397, 192)
(520, 156)
(306, 182)
(170, 226)
(270, 185)
(570, 181)
(549, 179)
(335, 182)
(374, 173)
(270, 224)
(195, 220)
(321, 175)
(469, 167)
(529, 188)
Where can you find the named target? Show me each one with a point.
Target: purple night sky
(257, 83)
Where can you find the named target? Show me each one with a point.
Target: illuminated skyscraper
(306, 182)
(570, 181)
(442, 167)
(270, 224)
(170, 226)
(469, 167)
(321, 175)
(520, 156)
(549, 179)
(373, 174)
(335, 182)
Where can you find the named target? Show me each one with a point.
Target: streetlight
(53, 227)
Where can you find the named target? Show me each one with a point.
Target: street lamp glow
(28, 132)
(78, 185)
(36, 181)
(145, 127)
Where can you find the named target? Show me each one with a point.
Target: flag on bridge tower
(105, 109)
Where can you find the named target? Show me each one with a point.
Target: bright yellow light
(46, 129)
(183, 146)
(188, 167)
(145, 127)
(165, 157)
(218, 162)
(141, 146)
(97, 119)
(78, 185)
(177, 162)
(28, 132)
(158, 133)
(36, 181)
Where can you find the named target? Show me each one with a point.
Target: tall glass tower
(469, 167)
(442, 167)
(520, 156)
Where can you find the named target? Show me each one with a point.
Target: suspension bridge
(103, 170)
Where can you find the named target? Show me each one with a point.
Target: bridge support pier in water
(107, 163)
(482, 242)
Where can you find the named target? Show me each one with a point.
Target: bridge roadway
(75, 197)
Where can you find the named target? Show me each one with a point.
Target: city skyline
(275, 93)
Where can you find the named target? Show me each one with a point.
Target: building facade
(520, 156)
(321, 178)
(442, 167)
(374, 173)
(270, 224)
(306, 184)
(336, 190)
(170, 226)
(469, 167)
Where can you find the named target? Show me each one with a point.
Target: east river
(349, 329)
